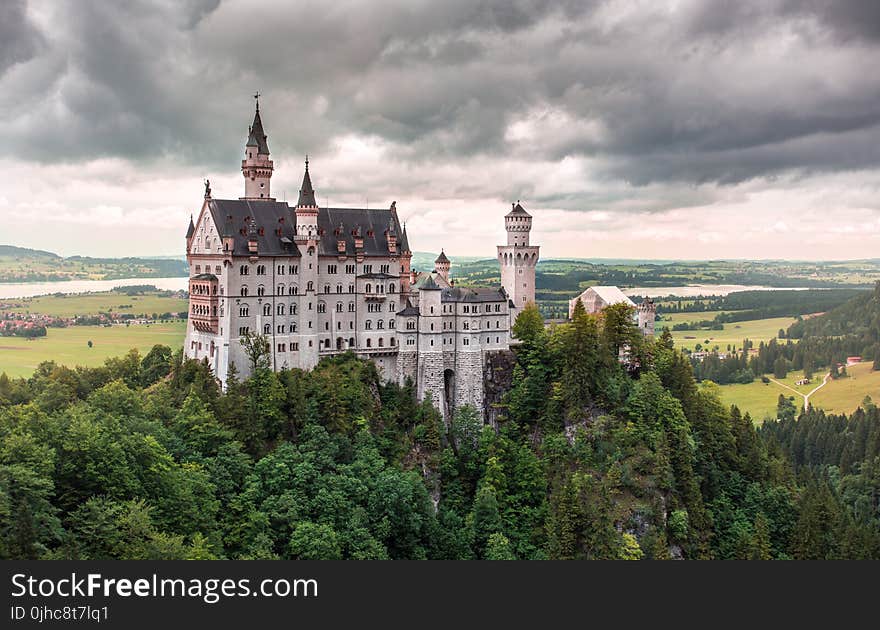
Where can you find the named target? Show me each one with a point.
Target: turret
(518, 224)
(441, 266)
(256, 167)
(647, 314)
(518, 259)
(306, 210)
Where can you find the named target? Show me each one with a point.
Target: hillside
(859, 316)
(20, 264)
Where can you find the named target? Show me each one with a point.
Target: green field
(670, 319)
(841, 396)
(845, 394)
(69, 346)
(757, 330)
(65, 305)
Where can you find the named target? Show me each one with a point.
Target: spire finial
(307, 162)
(257, 99)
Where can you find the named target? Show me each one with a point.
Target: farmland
(72, 305)
(733, 334)
(69, 346)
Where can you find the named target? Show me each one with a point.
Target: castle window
(261, 290)
(281, 347)
(391, 288)
(261, 270)
(368, 325)
(326, 288)
(294, 347)
(351, 288)
(339, 288)
(267, 309)
(392, 307)
(351, 325)
(293, 290)
(380, 324)
(293, 269)
(338, 325)
(350, 269)
(280, 309)
(369, 288)
(351, 307)
(351, 342)
(280, 329)
(327, 327)
(242, 331)
(466, 341)
(497, 340)
(198, 269)
(293, 309)
(369, 343)
(368, 268)
(267, 329)
(390, 323)
(381, 342)
(280, 289)
(243, 310)
(466, 326)
(384, 268)
(322, 307)
(331, 268)
(339, 307)
(393, 341)
(280, 270)
(310, 286)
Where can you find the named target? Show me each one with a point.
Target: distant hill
(859, 317)
(13, 251)
(21, 264)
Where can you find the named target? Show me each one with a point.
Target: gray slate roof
(518, 210)
(479, 294)
(233, 215)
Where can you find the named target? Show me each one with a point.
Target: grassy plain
(670, 319)
(841, 396)
(757, 330)
(69, 305)
(69, 346)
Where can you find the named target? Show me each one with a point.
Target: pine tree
(760, 543)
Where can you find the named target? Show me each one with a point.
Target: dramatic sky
(629, 129)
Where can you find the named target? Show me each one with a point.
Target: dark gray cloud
(697, 91)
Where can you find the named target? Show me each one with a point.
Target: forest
(592, 458)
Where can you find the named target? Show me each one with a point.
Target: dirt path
(806, 397)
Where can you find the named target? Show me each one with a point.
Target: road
(806, 397)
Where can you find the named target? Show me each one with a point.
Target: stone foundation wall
(497, 379)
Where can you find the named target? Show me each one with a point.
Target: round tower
(647, 314)
(518, 259)
(256, 167)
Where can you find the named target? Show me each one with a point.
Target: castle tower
(518, 259)
(441, 266)
(306, 239)
(430, 371)
(647, 314)
(256, 165)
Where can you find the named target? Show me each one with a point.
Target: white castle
(319, 281)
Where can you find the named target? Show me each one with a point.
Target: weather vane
(257, 98)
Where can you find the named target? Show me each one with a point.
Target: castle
(319, 281)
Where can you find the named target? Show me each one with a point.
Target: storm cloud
(581, 106)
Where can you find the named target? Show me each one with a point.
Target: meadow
(69, 346)
(733, 334)
(843, 395)
(70, 305)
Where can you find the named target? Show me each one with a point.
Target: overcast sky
(655, 129)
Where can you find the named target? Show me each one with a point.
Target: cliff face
(497, 380)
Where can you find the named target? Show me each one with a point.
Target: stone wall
(497, 380)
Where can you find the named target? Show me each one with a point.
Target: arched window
(293, 309)
(369, 343)
(351, 342)
(369, 288)
(391, 288)
(293, 289)
(339, 307)
(310, 286)
(243, 310)
(280, 309)
(339, 288)
(326, 288)
(322, 307)
(244, 270)
(261, 290)
(280, 289)
(368, 325)
(380, 324)
(351, 307)
(244, 290)
(267, 329)
(267, 309)
(381, 342)
(390, 323)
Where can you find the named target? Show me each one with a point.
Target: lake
(33, 289)
(695, 290)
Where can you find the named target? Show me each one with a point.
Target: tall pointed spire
(306, 192)
(256, 136)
